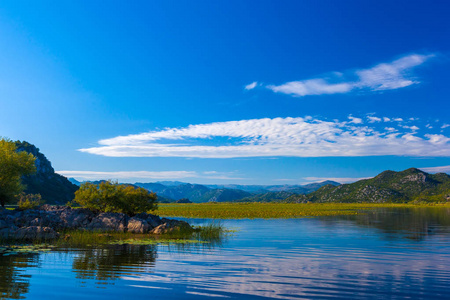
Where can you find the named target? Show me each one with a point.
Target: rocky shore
(47, 222)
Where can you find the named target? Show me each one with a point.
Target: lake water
(387, 254)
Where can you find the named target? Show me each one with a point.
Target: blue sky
(249, 92)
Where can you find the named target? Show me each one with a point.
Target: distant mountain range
(172, 191)
(228, 193)
(389, 186)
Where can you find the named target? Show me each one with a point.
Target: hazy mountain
(262, 189)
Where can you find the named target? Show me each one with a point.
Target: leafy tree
(109, 196)
(13, 165)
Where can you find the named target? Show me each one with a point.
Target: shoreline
(47, 222)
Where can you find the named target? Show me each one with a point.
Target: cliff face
(54, 188)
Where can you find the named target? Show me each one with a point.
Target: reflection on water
(113, 261)
(14, 283)
(411, 223)
(385, 254)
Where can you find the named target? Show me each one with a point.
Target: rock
(35, 233)
(137, 225)
(8, 232)
(44, 222)
(171, 226)
(152, 220)
(109, 222)
(77, 218)
(3, 224)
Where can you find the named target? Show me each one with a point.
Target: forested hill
(389, 186)
(54, 188)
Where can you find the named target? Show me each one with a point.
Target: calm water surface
(387, 254)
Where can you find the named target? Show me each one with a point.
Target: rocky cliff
(54, 188)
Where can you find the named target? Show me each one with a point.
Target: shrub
(29, 201)
(111, 196)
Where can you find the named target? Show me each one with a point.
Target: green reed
(273, 210)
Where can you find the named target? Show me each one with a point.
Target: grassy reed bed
(273, 210)
(211, 233)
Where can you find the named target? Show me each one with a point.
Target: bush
(29, 201)
(111, 196)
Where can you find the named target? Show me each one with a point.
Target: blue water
(391, 254)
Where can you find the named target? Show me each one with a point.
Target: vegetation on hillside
(13, 165)
(389, 186)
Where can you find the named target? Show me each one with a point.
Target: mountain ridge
(389, 186)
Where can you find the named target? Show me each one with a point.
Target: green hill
(389, 186)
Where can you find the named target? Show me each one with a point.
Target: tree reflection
(114, 261)
(411, 223)
(14, 284)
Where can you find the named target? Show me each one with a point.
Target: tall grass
(212, 233)
(272, 210)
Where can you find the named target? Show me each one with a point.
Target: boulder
(137, 225)
(34, 233)
(171, 226)
(109, 222)
(77, 218)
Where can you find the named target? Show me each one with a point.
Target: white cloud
(445, 126)
(398, 119)
(441, 169)
(385, 76)
(414, 128)
(355, 120)
(386, 119)
(373, 119)
(148, 175)
(429, 126)
(251, 86)
(95, 175)
(390, 76)
(337, 179)
(294, 137)
(311, 87)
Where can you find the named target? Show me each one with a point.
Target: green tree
(111, 196)
(13, 165)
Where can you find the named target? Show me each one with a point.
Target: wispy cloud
(294, 137)
(384, 76)
(441, 169)
(311, 87)
(148, 175)
(251, 86)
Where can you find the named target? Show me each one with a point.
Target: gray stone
(35, 233)
(137, 225)
(109, 222)
(170, 225)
